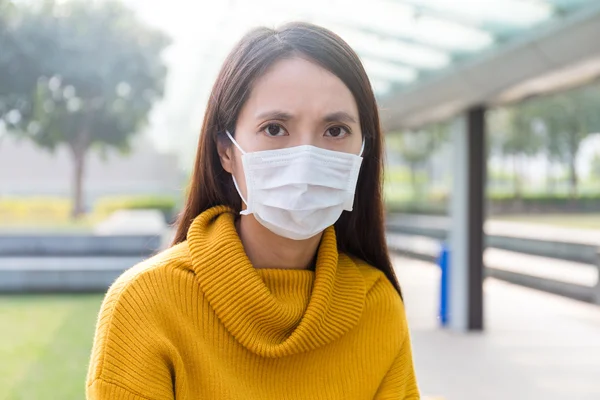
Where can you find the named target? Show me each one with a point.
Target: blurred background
(491, 112)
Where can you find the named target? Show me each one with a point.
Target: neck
(268, 250)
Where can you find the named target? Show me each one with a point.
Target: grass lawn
(589, 221)
(45, 343)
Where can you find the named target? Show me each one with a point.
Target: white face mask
(299, 191)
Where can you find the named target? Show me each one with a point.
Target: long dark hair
(360, 233)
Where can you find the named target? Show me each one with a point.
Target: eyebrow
(341, 116)
(279, 115)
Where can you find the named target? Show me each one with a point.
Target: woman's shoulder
(374, 277)
(154, 270)
(130, 317)
(381, 295)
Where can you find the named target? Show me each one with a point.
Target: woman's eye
(274, 130)
(337, 132)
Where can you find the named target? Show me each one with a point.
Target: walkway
(536, 345)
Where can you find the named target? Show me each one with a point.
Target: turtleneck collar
(274, 312)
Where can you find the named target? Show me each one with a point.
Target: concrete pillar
(467, 217)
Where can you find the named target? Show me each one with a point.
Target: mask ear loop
(362, 148)
(243, 212)
(236, 143)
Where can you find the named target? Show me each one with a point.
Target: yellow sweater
(199, 322)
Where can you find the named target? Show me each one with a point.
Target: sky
(192, 66)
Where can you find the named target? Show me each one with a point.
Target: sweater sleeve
(101, 389)
(129, 359)
(400, 382)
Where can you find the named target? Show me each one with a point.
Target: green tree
(568, 118)
(513, 135)
(18, 69)
(412, 148)
(96, 72)
(416, 148)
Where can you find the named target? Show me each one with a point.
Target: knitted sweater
(198, 321)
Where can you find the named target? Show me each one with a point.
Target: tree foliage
(567, 119)
(79, 73)
(416, 148)
(513, 133)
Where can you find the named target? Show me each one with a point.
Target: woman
(278, 284)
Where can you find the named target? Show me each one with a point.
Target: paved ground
(132, 222)
(536, 345)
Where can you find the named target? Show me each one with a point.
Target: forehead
(298, 85)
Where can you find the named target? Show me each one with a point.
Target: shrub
(34, 209)
(107, 205)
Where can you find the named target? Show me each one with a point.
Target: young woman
(278, 284)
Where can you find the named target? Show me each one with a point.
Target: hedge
(34, 209)
(107, 205)
(437, 204)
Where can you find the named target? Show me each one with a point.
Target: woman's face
(296, 102)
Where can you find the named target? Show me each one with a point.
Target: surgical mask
(299, 191)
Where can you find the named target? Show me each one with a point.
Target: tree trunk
(549, 177)
(573, 178)
(77, 188)
(413, 180)
(516, 178)
(79, 150)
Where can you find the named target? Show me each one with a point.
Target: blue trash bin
(444, 264)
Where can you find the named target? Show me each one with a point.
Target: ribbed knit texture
(199, 322)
